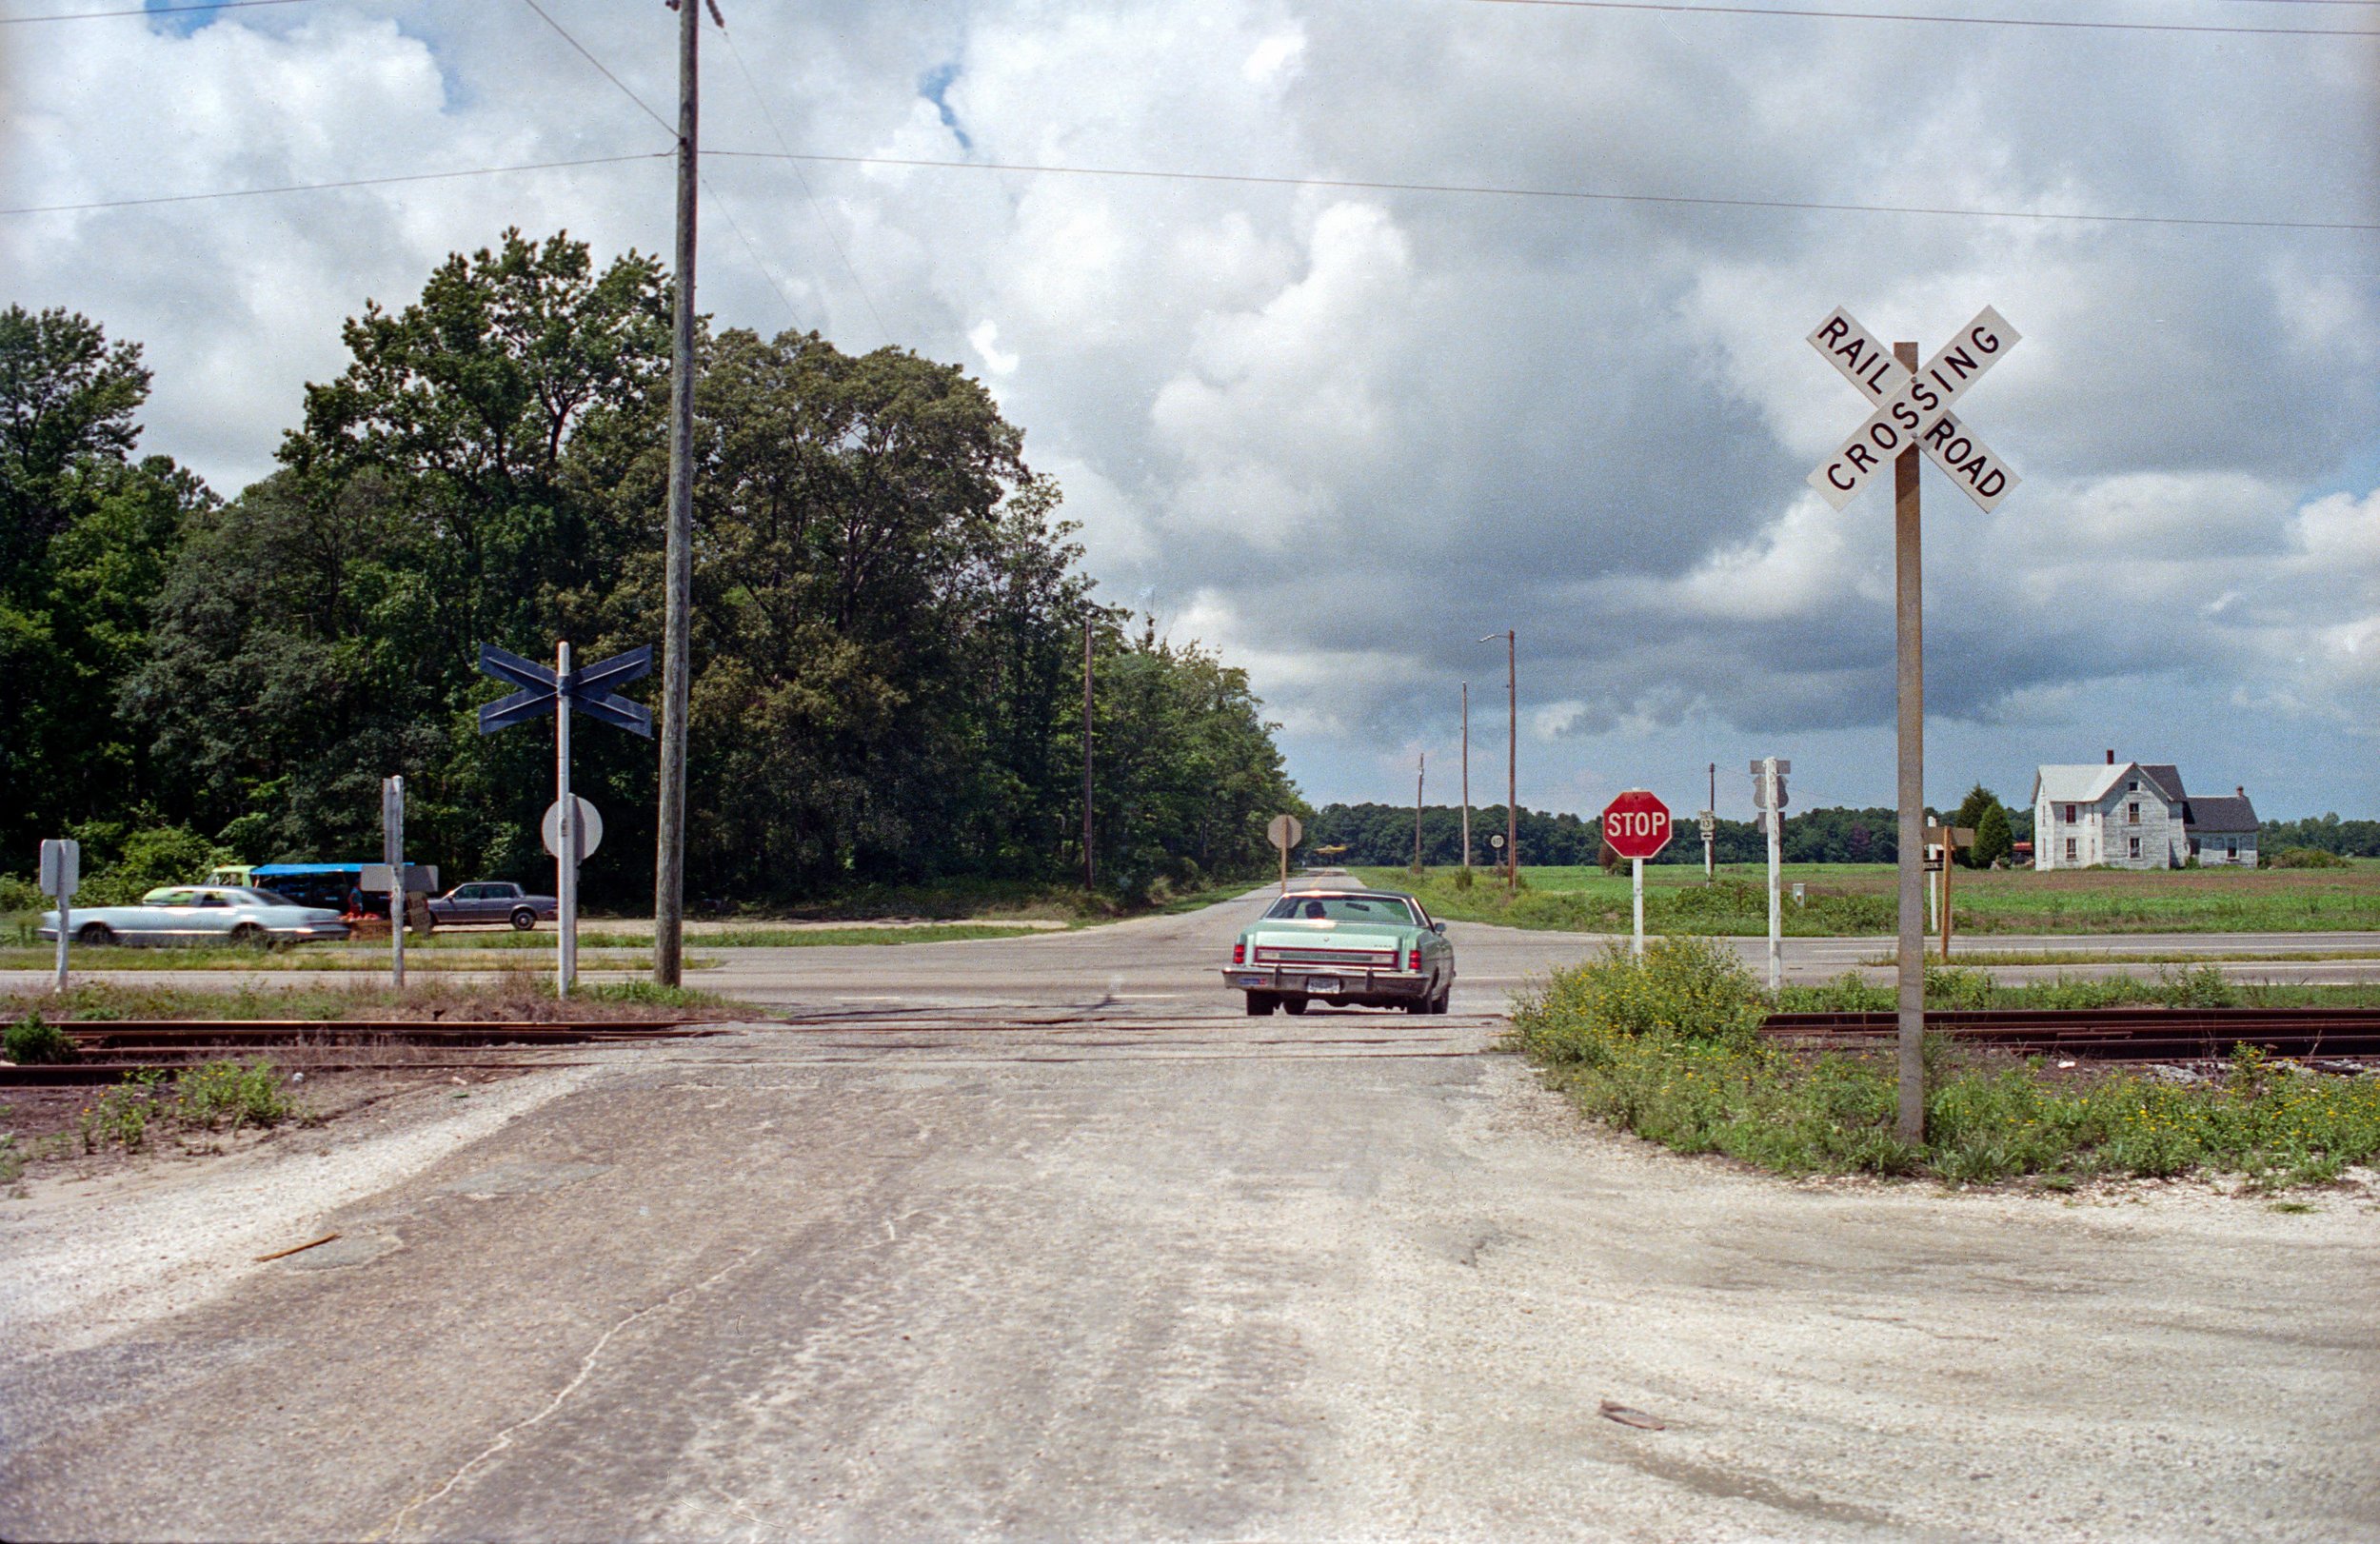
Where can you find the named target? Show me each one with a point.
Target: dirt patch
(42, 1130)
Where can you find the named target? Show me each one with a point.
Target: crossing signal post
(559, 691)
(1912, 413)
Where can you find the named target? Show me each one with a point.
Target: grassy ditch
(1667, 1048)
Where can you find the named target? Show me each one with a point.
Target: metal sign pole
(565, 861)
(1909, 615)
(1775, 819)
(61, 876)
(1636, 880)
(1466, 776)
(392, 853)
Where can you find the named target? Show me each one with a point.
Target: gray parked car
(201, 914)
(491, 903)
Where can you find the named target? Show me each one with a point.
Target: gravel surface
(1354, 1276)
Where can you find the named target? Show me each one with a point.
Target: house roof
(2225, 813)
(2082, 785)
(2167, 777)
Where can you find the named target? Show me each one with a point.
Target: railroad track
(2111, 1034)
(113, 1049)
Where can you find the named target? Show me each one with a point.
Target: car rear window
(1342, 909)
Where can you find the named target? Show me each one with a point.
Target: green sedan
(1375, 948)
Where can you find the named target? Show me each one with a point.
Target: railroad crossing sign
(1635, 824)
(588, 690)
(571, 826)
(1913, 408)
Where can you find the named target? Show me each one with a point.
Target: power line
(668, 127)
(753, 253)
(150, 10)
(1947, 21)
(1362, 185)
(823, 224)
(320, 187)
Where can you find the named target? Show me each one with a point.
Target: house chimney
(2239, 790)
(2111, 758)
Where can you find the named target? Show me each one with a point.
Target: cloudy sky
(1376, 380)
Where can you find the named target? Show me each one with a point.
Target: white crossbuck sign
(1913, 408)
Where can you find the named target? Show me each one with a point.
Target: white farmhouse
(2135, 815)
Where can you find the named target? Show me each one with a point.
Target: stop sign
(1635, 824)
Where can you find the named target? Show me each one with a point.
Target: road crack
(586, 1367)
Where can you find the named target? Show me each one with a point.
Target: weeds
(33, 1041)
(1667, 1048)
(217, 1096)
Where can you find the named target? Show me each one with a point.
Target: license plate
(1321, 983)
(1247, 980)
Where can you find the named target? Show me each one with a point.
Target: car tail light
(1413, 960)
(1239, 954)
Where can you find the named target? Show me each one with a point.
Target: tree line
(888, 613)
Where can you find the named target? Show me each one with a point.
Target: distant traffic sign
(1635, 824)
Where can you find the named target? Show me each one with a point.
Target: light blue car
(200, 914)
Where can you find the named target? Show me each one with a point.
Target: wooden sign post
(1948, 840)
(1911, 412)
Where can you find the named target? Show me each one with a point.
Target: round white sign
(591, 828)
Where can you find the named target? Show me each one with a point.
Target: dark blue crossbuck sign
(588, 691)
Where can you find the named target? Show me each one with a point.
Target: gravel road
(1132, 1276)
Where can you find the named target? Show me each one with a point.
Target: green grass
(211, 1096)
(525, 996)
(313, 959)
(1667, 1048)
(755, 936)
(1856, 898)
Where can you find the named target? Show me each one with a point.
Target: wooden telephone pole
(678, 558)
(1420, 771)
(1090, 862)
(1466, 778)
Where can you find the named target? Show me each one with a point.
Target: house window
(2070, 817)
(2131, 813)
(2135, 852)
(2070, 849)
(2231, 849)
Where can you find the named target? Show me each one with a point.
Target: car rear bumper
(1322, 982)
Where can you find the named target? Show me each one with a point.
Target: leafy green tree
(85, 538)
(887, 661)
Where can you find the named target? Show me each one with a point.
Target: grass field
(1855, 899)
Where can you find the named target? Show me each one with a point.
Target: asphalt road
(1103, 1268)
(1169, 966)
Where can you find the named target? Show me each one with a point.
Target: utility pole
(1420, 771)
(1710, 826)
(1908, 618)
(1090, 871)
(678, 561)
(1512, 763)
(1466, 778)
